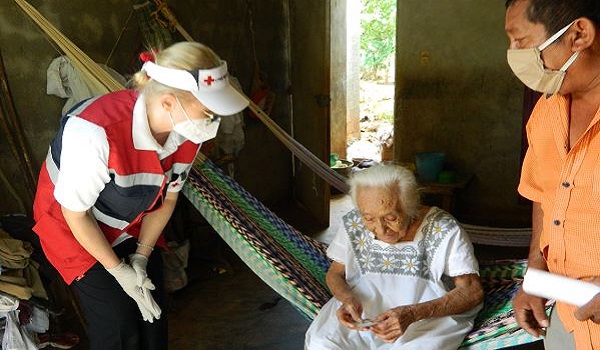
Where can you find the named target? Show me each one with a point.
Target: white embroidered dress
(384, 276)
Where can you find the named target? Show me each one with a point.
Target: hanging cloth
(63, 79)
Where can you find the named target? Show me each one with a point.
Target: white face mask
(528, 66)
(197, 131)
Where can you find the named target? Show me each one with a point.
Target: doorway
(363, 51)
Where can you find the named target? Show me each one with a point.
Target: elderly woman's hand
(350, 312)
(393, 323)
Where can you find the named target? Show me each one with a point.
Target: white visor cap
(210, 86)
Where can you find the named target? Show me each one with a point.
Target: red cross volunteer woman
(110, 182)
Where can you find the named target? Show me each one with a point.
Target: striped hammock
(294, 265)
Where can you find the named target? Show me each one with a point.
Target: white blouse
(384, 276)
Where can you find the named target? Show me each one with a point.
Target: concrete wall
(224, 25)
(456, 94)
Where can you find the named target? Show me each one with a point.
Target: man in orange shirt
(555, 49)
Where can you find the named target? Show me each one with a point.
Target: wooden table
(446, 191)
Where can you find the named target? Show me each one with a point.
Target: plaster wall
(456, 94)
(264, 165)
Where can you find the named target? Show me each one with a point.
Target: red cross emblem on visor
(209, 80)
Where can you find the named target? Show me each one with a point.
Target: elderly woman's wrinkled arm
(467, 294)
(351, 309)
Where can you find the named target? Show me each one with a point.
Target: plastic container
(446, 177)
(343, 167)
(429, 165)
(333, 158)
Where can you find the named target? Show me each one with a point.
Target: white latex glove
(139, 262)
(126, 277)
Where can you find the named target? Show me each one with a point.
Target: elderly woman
(403, 275)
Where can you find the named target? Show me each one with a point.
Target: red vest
(138, 184)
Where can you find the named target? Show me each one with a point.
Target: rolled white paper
(552, 286)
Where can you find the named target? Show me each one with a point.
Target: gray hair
(389, 175)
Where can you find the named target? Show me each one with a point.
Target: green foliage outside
(387, 116)
(378, 39)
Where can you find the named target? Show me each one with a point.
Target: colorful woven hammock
(294, 265)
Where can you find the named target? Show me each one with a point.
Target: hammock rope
(116, 44)
(507, 237)
(156, 13)
(301, 152)
(155, 35)
(170, 21)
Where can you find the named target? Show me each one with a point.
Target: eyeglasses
(211, 117)
(208, 114)
(390, 219)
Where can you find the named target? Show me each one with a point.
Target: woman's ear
(585, 34)
(168, 101)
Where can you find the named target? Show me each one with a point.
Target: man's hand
(591, 310)
(350, 312)
(530, 312)
(393, 323)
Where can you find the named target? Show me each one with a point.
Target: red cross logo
(209, 80)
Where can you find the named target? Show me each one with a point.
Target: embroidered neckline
(408, 258)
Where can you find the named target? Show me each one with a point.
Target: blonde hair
(389, 176)
(183, 55)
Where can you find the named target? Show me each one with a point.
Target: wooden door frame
(310, 76)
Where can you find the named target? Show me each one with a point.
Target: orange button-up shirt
(567, 184)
